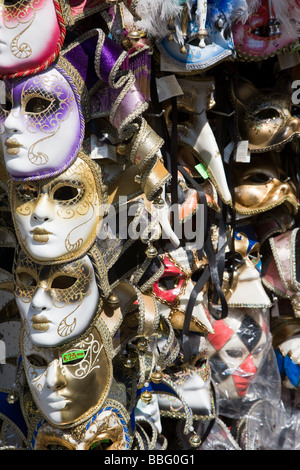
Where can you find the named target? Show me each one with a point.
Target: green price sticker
(73, 356)
(202, 171)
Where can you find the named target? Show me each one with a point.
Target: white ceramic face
(29, 34)
(57, 219)
(57, 303)
(68, 384)
(40, 125)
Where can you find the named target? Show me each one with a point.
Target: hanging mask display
(57, 303)
(271, 28)
(58, 378)
(107, 430)
(246, 289)
(261, 185)
(267, 119)
(194, 132)
(57, 219)
(236, 349)
(280, 271)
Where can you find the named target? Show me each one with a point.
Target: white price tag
(242, 154)
(101, 150)
(288, 60)
(168, 87)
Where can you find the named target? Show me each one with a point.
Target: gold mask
(105, 431)
(264, 118)
(262, 185)
(57, 219)
(69, 384)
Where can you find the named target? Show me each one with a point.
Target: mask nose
(42, 210)
(41, 300)
(55, 379)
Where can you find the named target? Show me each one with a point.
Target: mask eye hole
(63, 282)
(37, 105)
(169, 282)
(26, 279)
(36, 360)
(27, 192)
(234, 353)
(103, 444)
(258, 178)
(66, 193)
(267, 113)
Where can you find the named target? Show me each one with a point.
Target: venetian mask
(236, 349)
(267, 30)
(194, 132)
(41, 127)
(58, 303)
(173, 290)
(106, 431)
(281, 271)
(200, 35)
(57, 219)
(246, 289)
(261, 185)
(69, 384)
(31, 35)
(267, 119)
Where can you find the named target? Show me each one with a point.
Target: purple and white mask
(40, 129)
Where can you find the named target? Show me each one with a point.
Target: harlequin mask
(59, 378)
(173, 290)
(280, 273)
(200, 35)
(267, 31)
(247, 289)
(57, 219)
(107, 430)
(261, 185)
(42, 125)
(194, 132)
(58, 303)
(236, 350)
(264, 118)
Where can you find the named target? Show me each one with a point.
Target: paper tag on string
(101, 150)
(288, 60)
(168, 87)
(242, 154)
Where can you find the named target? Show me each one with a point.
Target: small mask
(247, 290)
(57, 219)
(57, 303)
(236, 350)
(266, 31)
(59, 378)
(262, 185)
(194, 132)
(107, 430)
(173, 290)
(267, 119)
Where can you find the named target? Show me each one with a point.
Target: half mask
(261, 185)
(57, 303)
(236, 349)
(270, 29)
(42, 125)
(57, 219)
(194, 132)
(281, 271)
(59, 378)
(266, 118)
(107, 430)
(246, 289)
